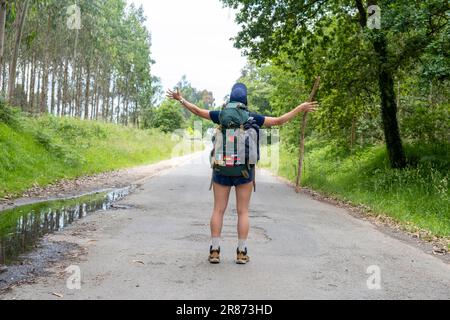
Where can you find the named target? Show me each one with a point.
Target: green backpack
(229, 158)
(233, 115)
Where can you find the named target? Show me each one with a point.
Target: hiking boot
(214, 255)
(242, 257)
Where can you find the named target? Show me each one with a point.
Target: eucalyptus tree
(2, 31)
(21, 8)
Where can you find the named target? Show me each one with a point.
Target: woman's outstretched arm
(278, 121)
(190, 106)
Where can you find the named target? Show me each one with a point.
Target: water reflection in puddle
(23, 226)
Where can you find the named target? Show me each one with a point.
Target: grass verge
(40, 151)
(415, 197)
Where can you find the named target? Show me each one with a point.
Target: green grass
(39, 151)
(417, 196)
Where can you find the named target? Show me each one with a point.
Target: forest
(91, 61)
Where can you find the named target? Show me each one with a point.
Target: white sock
(242, 244)
(215, 241)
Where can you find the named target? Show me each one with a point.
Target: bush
(8, 115)
(168, 117)
(70, 157)
(425, 123)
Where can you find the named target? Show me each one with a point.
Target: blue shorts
(232, 181)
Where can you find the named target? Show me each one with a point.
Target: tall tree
(2, 31)
(21, 13)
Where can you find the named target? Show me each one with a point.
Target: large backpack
(236, 142)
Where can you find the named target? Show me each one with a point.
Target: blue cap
(239, 93)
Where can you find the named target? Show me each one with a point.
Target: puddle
(21, 227)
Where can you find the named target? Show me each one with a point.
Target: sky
(192, 38)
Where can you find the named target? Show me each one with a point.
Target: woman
(222, 184)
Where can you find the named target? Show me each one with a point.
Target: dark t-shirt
(214, 115)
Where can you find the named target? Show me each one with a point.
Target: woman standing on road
(222, 184)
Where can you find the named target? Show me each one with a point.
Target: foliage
(8, 115)
(358, 66)
(168, 117)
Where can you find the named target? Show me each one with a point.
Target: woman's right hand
(174, 95)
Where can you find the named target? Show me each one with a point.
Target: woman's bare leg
(243, 194)
(221, 195)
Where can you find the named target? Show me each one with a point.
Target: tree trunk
(59, 102)
(93, 95)
(97, 103)
(97, 95)
(118, 108)
(4, 73)
(44, 90)
(79, 98)
(74, 91)
(387, 93)
(126, 104)
(52, 98)
(2, 31)
(38, 109)
(388, 106)
(65, 98)
(87, 91)
(30, 76)
(136, 115)
(111, 96)
(59, 91)
(27, 84)
(24, 76)
(19, 23)
(353, 133)
(430, 96)
(32, 83)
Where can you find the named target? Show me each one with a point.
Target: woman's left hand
(309, 106)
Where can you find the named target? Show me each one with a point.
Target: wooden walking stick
(302, 136)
